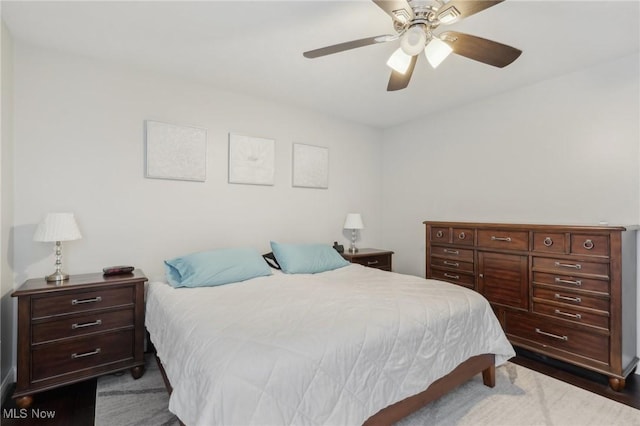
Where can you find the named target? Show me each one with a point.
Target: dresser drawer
(374, 261)
(594, 245)
(571, 314)
(572, 298)
(455, 265)
(462, 236)
(80, 301)
(571, 282)
(565, 266)
(439, 235)
(508, 240)
(463, 255)
(453, 277)
(81, 325)
(548, 242)
(547, 333)
(86, 352)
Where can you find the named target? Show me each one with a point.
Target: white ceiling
(255, 47)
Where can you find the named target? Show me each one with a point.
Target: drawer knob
(81, 301)
(548, 242)
(449, 251)
(82, 355)
(577, 283)
(555, 336)
(454, 264)
(568, 299)
(372, 262)
(453, 277)
(86, 324)
(505, 239)
(439, 234)
(569, 265)
(567, 314)
(461, 236)
(588, 245)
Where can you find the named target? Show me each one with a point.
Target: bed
(335, 347)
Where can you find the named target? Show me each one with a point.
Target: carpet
(521, 397)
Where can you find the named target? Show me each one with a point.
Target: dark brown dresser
(373, 258)
(567, 292)
(87, 326)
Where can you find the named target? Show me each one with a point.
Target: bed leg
(489, 376)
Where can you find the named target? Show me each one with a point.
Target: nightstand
(373, 258)
(87, 326)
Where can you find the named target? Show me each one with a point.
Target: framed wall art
(251, 160)
(310, 166)
(175, 152)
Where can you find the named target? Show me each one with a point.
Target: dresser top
(40, 285)
(534, 227)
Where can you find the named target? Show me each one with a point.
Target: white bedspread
(325, 349)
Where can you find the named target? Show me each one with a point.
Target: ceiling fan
(414, 22)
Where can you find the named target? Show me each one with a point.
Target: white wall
(79, 147)
(565, 150)
(7, 313)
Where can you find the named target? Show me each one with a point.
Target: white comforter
(331, 348)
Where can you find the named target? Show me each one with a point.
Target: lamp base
(57, 277)
(353, 250)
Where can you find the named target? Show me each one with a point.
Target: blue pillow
(216, 267)
(307, 258)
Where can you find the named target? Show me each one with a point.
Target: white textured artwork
(175, 152)
(310, 166)
(251, 160)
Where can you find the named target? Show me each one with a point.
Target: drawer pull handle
(372, 262)
(567, 314)
(439, 234)
(569, 265)
(76, 356)
(570, 299)
(461, 236)
(506, 239)
(451, 251)
(81, 301)
(548, 242)
(588, 244)
(576, 282)
(86, 324)
(454, 264)
(555, 336)
(453, 277)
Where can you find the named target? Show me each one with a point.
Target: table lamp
(353, 222)
(57, 227)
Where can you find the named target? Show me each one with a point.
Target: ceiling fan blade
(348, 45)
(399, 10)
(480, 49)
(399, 81)
(456, 10)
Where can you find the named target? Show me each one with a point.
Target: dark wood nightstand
(87, 326)
(373, 258)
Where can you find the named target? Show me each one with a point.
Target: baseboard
(7, 381)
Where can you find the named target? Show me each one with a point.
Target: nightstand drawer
(81, 325)
(374, 261)
(71, 302)
(69, 357)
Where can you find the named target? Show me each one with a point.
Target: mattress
(313, 349)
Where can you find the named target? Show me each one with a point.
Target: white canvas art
(251, 160)
(175, 152)
(310, 166)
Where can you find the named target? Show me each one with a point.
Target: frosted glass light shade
(399, 61)
(413, 41)
(437, 51)
(353, 221)
(57, 227)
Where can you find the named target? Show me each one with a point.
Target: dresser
(87, 326)
(373, 258)
(567, 292)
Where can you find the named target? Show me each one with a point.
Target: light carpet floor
(521, 397)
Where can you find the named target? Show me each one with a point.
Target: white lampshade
(57, 227)
(399, 61)
(413, 41)
(353, 221)
(437, 51)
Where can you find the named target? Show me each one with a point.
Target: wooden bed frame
(484, 364)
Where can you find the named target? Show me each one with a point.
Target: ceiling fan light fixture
(413, 41)
(399, 61)
(449, 15)
(437, 51)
